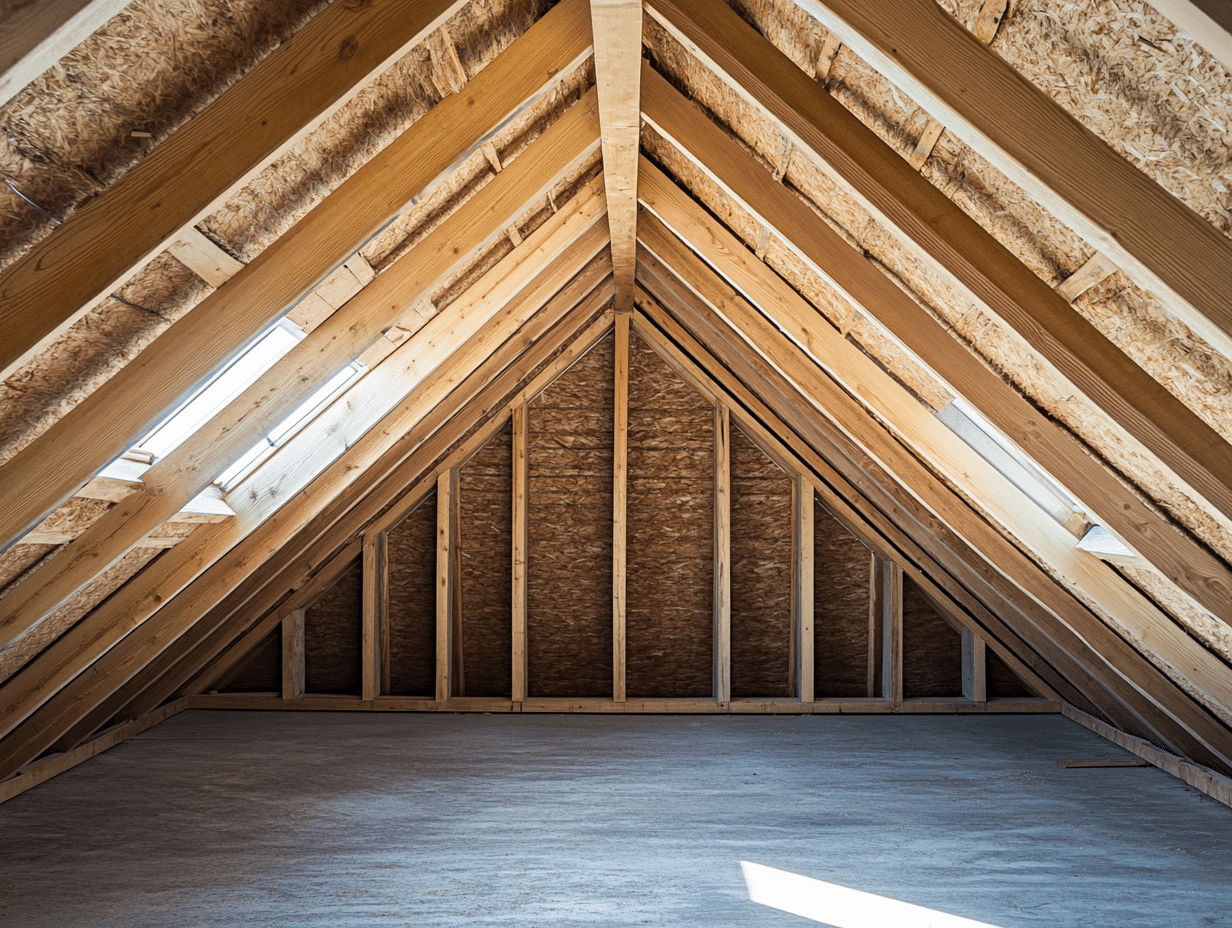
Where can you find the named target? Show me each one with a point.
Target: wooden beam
(620, 506)
(98, 429)
(1160, 242)
(886, 614)
(802, 584)
(558, 152)
(283, 98)
(376, 609)
(293, 654)
(521, 549)
(722, 554)
(1042, 603)
(1121, 604)
(1188, 563)
(974, 678)
(945, 239)
(617, 26)
(446, 579)
(34, 36)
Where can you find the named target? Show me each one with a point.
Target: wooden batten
(376, 608)
(620, 505)
(974, 678)
(802, 586)
(722, 554)
(446, 580)
(293, 654)
(521, 540)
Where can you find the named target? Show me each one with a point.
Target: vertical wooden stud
(446, 579)
(620, 499)
(722, 554)
(521, 542)
(293, 655)
(886, 631)
(375, 609)
(802, 586)
(974, 681)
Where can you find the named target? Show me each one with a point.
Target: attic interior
(690, 359)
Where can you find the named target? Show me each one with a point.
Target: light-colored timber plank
(617, 26)
(924, 147)
(1161, 243)
(943, 237)
(100, 427)
(1137, 682)
(825, 58)
(887, 603)
(489, 152)
(449, 76)
(1087, 762)
(620, 507)
(373, 396)
(278, 102)
(722, 554)
(446, 579)
(57, 764)
(35, 36)
(1193, 568)
(1093, 272)
(291, 380)
(293, 654)
(865, 523)
(203, 257)
(988, 20)
(974, 678)
(802, 584)
(521, 548)
(375, 610)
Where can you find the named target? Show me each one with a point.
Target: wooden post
(974, 681)
(722, 554)
(521, 542)
(446, 579)
(375, 609)
(802, 587)
(293, 655)
(620, 498)
(885, 640)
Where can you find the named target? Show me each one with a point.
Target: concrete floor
(284, 819)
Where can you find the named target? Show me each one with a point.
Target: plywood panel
(761, 651)
(412, 602)
(840, 608)
(932, 650)
(569, 570)
(262, 671)
(332, 628)
(1002, 682)
(670, 532)
(485, 526)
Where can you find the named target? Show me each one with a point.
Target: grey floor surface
(256, 819)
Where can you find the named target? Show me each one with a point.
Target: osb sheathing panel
(69, 133)
(65, 617)
(262, 670)
(18, 559)
(1001, 682)
(485, 539)
(332, 629)
(74, 517)
(761, 527)
(411, 556)
(841, 577)
(569, 515)
(957, 171)
(670, 541)
(932, 650)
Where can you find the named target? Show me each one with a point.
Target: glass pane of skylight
(254, 362)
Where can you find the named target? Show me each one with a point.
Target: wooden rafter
(310, 76)
(945, 238)
(187, 470)
(1193, 568)
(617, 26)
(97, 430)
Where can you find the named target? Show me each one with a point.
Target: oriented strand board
(20, 558)
(761, 627)
(262, 671)
(485, 527)
(841, 566)
(412, 602)
(670, 532)
(932, 650)
(332, 628)
(569, 514)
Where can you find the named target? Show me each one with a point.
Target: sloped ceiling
(844, 215)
